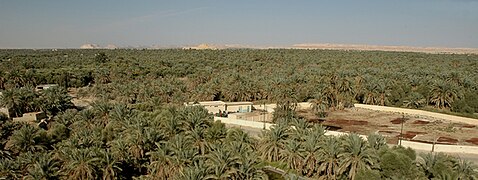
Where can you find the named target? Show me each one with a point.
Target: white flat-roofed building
(211, 106)
(241, 107)
(223, 107)
(45, 86)
(31, 117)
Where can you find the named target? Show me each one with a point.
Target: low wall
(456, 119)
(452, 118)
(261, 125)
(414, 145)
(245, 123)
(440, 147)
(270, 107)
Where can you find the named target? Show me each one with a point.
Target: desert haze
(387, 48)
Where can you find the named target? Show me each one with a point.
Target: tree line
(337, 79)
(114, 141)
(138, 128)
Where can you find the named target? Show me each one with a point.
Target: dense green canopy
(138, 128)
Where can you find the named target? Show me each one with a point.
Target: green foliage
(434, 165)
(414, 100)
(3, 118)
(101, 57)
(138, 129)
(29, 139)
(399, 163)
(285, 111)
(367, 174)
(149, 77)
(54, 100)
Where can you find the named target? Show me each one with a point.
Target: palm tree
(161, 164)
(434, 164)
(370, 96)
(328, 157)
(217, 132)
(103, 109)
(3, 80)
(377, 92)
(292, 155)
(10, 169)
(196, 172)
(181, 149)
(81, 163)
(415, 100)
(16, 78)
(443, 95)
(195, 117)
(465, 169)
(310, 155)
(383, 91)
(356, 155)
(236, 134)
(54, 100)
(376, 141)
(198, 136)
(11, 100)
(301, 129)
(109, 166)
(317, 131)
(222, 162)
(170, 122)
(272, 142)
(448, 175)
(120, 113)
(319, 106)
(29, 138)
(249, 167)
(284, 110)
(45, 167)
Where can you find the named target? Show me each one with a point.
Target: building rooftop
(238, 103)
(219, 103)
(207, 103)
(45, 86)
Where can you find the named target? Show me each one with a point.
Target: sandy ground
(421, 128)
(79, 101)
(363, 47)
(364, 121)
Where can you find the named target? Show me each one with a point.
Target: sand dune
(387, 48)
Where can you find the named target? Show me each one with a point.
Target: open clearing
(363, 121)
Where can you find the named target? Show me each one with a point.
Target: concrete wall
(257, 118)
(452, 118)
(405, 143)
(457, 119)
(440, 147)
(303, 105)
(30, 117)
(214, 109)
(261, 125)
(270, 107)
(245, 123)
(239, 108)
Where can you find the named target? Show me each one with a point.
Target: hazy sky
(71, 23)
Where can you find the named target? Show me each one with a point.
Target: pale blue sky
(69, 23)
